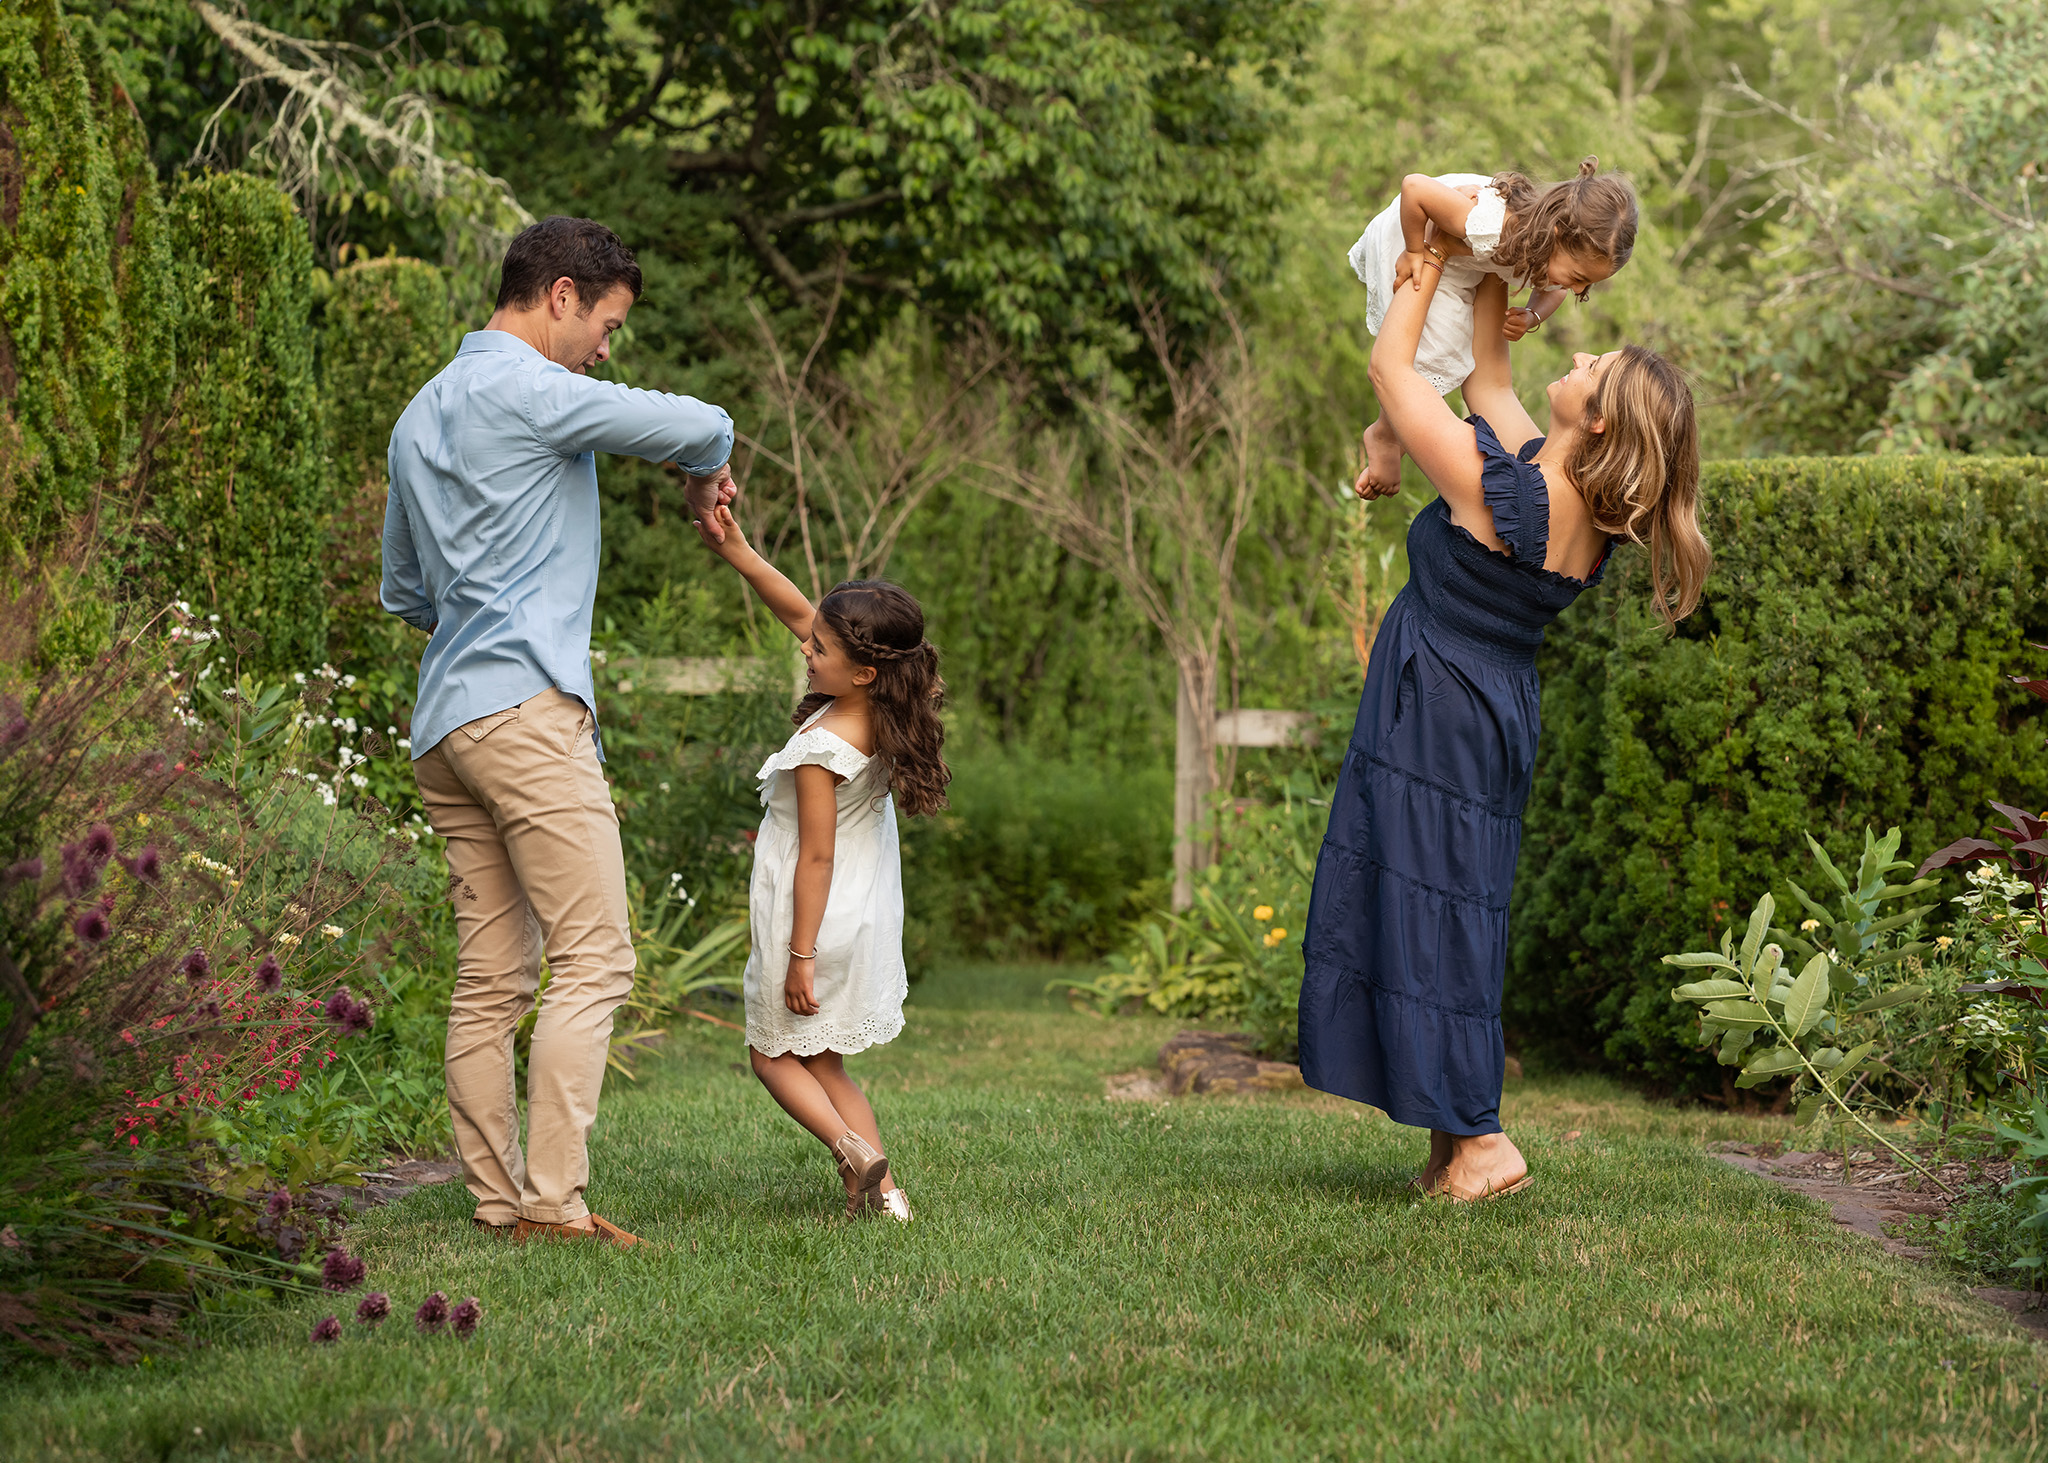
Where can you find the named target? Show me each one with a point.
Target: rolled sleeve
(575, 414)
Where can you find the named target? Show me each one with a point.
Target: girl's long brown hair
(882, 626)
(1640, 476)
(1592, 214)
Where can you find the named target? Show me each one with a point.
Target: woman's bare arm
(1441, 445)
(1490, 389)
(784, 600)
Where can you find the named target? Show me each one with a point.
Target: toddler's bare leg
(1382, 475)
(790, 1082)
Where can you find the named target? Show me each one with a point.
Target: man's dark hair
(587, 252)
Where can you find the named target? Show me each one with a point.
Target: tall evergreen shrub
(387, 327)
(239, 486)
(85, 283)
(1846, 669)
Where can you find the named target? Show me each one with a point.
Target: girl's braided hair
(882, 626)
(1592, 214)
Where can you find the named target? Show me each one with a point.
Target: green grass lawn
(1214, 1278)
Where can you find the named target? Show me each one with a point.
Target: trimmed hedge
(1846, 669)
(240, 484)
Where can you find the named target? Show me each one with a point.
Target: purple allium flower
(208, 1010)
(336, 1007)
(329, 1329)
(80, 872)
(99, 844)
(269, 976)
(374, 1308)
(92, 926)
(360, 1018)
(196, 965)
(148, 865)
(28, 871)
(464, 1318)
(341, 1271)
(432, 1314)
(279, 1203)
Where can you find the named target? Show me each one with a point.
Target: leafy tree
(85, 300)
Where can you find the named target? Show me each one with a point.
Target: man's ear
(562, 298)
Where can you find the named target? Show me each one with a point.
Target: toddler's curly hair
(1594, 213)
(880, 625)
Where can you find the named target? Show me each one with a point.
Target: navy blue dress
(1407, 933)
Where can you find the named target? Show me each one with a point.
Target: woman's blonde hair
(1592, 214)
(1640, 475)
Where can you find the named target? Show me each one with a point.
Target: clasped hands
(705, 494)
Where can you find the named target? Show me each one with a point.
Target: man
(491, 546)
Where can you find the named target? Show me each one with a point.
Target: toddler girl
(1561, 240)
(826, 975)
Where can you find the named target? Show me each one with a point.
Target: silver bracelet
(795, 954)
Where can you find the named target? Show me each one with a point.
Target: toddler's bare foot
(1382, 475)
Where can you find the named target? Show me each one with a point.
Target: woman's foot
(1439, 1160)
(1382, 475)
(1483, 1167)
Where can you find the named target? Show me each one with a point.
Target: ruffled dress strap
(1483, 224)
(814, 747)
(1515, 493)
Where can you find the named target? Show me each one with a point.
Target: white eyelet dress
(1443, 357)
(860, 982)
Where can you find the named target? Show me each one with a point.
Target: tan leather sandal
(895, 1203)
(603, 1230)
(859, 1161)
(1444, 1190)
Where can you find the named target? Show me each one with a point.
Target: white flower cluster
(677, 892)
(1986, 1023)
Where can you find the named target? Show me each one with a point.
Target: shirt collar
(496, 340)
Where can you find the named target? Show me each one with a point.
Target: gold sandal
(859, 1161)
(894, 1203)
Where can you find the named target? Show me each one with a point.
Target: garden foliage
(1848, 667)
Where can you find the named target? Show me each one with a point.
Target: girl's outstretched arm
(783, 599)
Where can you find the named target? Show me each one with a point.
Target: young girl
(1562, 240)
(826, 975)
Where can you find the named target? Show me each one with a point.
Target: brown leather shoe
(604, 1230)
(500, 1230)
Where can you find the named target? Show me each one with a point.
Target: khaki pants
(535, 867)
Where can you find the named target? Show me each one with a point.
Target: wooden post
(1194, 774)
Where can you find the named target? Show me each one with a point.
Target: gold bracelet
(1437, 254)
(1433, 264)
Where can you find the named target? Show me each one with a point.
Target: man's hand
(705, 496)
(730, 542)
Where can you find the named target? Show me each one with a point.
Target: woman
(1407, 925)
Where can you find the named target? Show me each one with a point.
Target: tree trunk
(1194, 771)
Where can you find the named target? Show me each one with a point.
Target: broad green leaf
(1844, 1071)
(1902, 891)
(1767, 964)
(1813, 906)
(1898, 996)
(1892, 957)
(1735, 1043)
(1710, 990)
(1841, 979)
(1728, 945)
(1808, 1001)
(1808, 1109)
(1827, 865)
(1847, 940)
(1884, 926)
(1828, 1058)
(1773, 1061)
(1700, 958)
(1738, 1013)
(1759, 924)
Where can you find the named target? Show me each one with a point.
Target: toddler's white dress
(860, 982)
(1444, 354)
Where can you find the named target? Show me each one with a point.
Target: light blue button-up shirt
(491, 525)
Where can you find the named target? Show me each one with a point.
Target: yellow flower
(1263, 913)
(1274, 936)
(333, 932)
(1944, 941)
(1810, 925)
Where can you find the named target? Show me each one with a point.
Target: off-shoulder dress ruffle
(1406, 944)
